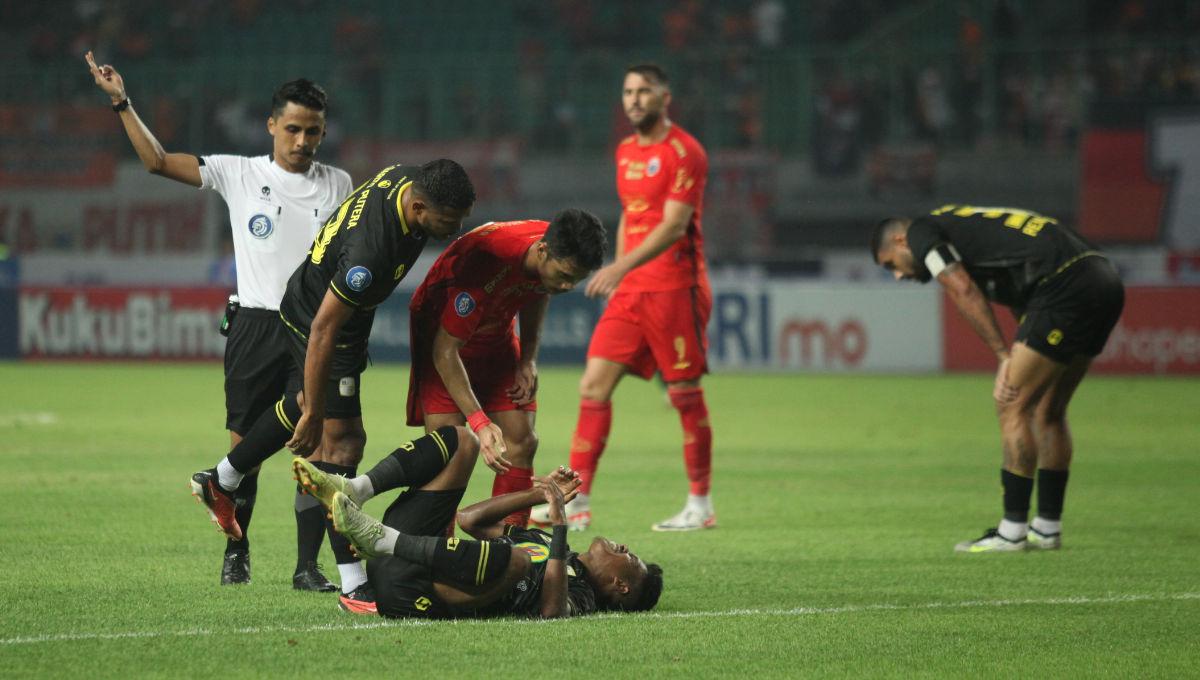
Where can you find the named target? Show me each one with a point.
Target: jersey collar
(400, 207)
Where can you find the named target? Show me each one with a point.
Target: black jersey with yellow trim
(361, 255)
(1006, 251)
(525, 599)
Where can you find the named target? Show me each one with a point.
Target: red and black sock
(591, 435)
(516, 479)
(697, 437)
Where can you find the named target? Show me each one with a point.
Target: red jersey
(675, 168)
(478, 284)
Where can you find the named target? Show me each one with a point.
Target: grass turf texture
(839, 500)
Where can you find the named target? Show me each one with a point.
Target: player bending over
(417, 572)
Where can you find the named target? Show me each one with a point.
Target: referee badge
(261, 226)
(358, 278)
(464, 304)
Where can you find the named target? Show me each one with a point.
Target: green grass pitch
(839, 500)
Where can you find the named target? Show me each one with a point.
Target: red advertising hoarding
(1159, 332)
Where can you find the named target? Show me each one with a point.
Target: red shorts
(491, 374)
(660, 330)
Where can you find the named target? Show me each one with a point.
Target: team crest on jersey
(261, 226)
(464, 304)
(266, 191)
(358, 278)
(384, 183)
(537, 552)
(653, 166)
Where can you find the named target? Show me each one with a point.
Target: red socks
(591, 434)
(516, 479)
(697, 437)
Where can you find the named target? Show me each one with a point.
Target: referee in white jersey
(276, 205)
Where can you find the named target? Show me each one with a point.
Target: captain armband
(939, 257)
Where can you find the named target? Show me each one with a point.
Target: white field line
(729, 613)
(37, 418)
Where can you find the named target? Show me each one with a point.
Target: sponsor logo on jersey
(653, 166)
(358, 278)
(266, 191)
(464, 304)
(261, 226)
(537, 552)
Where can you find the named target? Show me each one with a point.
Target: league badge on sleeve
(358, 278)
(261, 226)
(464, 304)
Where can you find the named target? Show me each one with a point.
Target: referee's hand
(107, 78)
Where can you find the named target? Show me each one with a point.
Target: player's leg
(1054, 454)
(522, 443)
(1030, 375)
(342, 445)
(680, 347)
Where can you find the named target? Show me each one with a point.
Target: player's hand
(491, 446)
(1002, 391)
(605, 281)
(307, 435)
(566, 479)
(524, 388)
(554, 496)
(107, 78)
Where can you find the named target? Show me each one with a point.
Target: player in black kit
(356, 260)
(417, 571)
(1067, 297)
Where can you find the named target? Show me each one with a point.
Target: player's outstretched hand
(524, 389)
(307, 435)
(1003, 392)
(605, 281)
(554, 496)
(566, 479)
(491, 446)
(107, 78)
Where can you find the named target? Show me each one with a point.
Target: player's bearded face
(440, 223)
(298, 131)
(644, 101)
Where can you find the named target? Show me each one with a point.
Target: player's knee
(468, 443)
(522, 450)
(593, 389)
(345, 447)
(1051, 414)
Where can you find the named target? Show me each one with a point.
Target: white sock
(1047, 526)
(579, 504)
(353, 575)
(362, 488)
(701, 504)
(1013, 531)
(228, 476)
(387, 544)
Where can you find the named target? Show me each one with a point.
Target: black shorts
(258, 366)
(1073, 313)
(342, 394)
(404, 589)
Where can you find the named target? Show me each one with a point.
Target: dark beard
(648, 122)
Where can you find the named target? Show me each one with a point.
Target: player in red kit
(469, 365)
(659, 298)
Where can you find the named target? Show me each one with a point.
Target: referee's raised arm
(181, 167)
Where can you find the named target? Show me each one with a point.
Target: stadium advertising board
(1159, 332)
(815, 327)
(120, 323)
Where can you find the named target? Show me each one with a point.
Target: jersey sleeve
(466, 298)
(363, 277)
(690, 172)
(930, 248)
(218, 172)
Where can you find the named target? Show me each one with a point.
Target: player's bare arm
(181, 167)
(330, 317)
(449, 365)
(974, 307)
(676, 217)
(554, 581)
(531, 316)
(485, 519)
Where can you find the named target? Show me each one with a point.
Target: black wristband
(122, 105)
(558, 542)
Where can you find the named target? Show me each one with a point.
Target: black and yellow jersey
(525, 599)
(361, 254)
(1006, 251)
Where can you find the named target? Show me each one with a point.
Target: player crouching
(417, 572)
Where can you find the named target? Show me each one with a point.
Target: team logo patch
(384, 183)
(464, 304)
(399, 273)
(537, 552)
(358, 278)
(653, 166)
(261, 226)
(266, 191)
(422, 603)
(1055, 337)
(346, 386)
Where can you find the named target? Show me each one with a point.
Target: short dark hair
(650, 71)
(445, 184)
(650, 591)
(884, 229)
(301, 91)
(576, 235)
